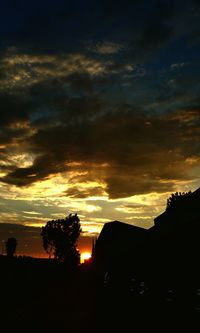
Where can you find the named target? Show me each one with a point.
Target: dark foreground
(42, 296)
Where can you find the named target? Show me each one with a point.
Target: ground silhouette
(136, 280)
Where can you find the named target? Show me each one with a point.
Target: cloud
(121, 150)
(17, 229)
(14, 109)
(99, 103)
(106, 48)
(20, 70)
(85, 193)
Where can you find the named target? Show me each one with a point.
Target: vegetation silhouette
(137, 279)
(60, 239)
(177, 199)
(11, 245)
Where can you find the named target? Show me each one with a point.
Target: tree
(177, 198)
(11, 245)
(60, 239)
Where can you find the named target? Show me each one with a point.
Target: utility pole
(94, 239)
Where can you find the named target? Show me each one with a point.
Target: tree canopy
(176, 199)
(60, 239)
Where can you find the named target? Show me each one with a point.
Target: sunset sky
(99, 112)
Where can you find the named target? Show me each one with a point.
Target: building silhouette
(165, 256)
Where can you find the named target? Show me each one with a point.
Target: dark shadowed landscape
(100, 166)
(43, 296)
(137, 279)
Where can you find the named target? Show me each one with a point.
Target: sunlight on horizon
(69, 192)
(85, 256)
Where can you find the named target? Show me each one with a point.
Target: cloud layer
(99, 106)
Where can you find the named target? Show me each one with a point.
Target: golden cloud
(24, 70)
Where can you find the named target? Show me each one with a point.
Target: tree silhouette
(60, 239)
(11, 245)
(177, 198)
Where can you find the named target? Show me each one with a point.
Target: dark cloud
(14, 108)
(46, 28)
(104, 95)
(81, 83)
(158, 25)
(112, 86)
(42, 167)
(18, 229)
(85, 193)
(134, 151)
(79, 109)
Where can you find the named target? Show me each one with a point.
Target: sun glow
(85, 256)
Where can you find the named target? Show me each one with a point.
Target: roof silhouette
(113, 230)
(117, 241)
(187, 209)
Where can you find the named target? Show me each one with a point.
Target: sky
(99, 112)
